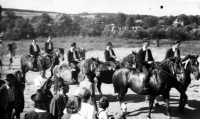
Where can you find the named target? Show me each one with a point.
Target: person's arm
(178, 52)
(69, 56)
(167, 54)
(30, 50)
(113, 52)
(151, 56)
(52, 109)
(38, 48)
(106, 54)
(45, 46)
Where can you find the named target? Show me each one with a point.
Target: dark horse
(104, 74)
(161, 81)
(190, 66)
(44, 62)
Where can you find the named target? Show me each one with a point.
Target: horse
(44, 62)
(63, 72)
(190, 66)
(58, 54)
(104, 74)
(161, 81)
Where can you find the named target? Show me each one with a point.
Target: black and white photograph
(99, 59)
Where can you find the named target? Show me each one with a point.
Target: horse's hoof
(157, 105)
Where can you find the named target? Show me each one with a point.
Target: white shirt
(87, 110)
(103, 114)
(39, 82)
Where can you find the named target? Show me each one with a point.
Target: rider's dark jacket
(32, 52)
(108, 55)
(70, 56)
(141, 58)
(48, 49)
(170, 53)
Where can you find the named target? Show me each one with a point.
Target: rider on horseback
(48, 46)
(34, 51)
(110, 55)
(174, 52)
(145, 60)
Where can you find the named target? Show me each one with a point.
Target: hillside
(28, 13)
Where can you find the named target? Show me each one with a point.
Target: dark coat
(170, 53)
(10, 47)
(70, 56)
(57, 105)
(108, 55)
(31, 50)
(141, 58)
(35, 115)
(46, 47)
(18, 96)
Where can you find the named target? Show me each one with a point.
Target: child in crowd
(10, 58)
(103, 105)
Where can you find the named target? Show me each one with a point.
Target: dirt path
(137, 107)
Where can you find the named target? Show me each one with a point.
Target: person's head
(34, 41)
(84, 93)
(63, 87)
(146, 43)
(73, 104)
(49, 39)
(18, 74)
(103, 103)
(177, 44)
(73, 45)
(10, 79)
(109, 45)
(41, 99)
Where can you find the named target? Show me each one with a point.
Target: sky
(142, 7)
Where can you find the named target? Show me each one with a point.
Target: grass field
(99, 43)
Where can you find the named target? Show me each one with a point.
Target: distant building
(177, 22)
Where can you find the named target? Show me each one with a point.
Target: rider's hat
(73, 44)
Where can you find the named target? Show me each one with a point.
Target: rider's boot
(145, 84)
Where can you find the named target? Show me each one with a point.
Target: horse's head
(194, 66)
(169, 66)
(176, 65)
(61, 53)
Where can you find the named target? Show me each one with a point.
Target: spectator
(103, 105)
(8, 97)
(86, 83)
(20, 86)
(10, 48)
(73, 109)
(39, 81)
(59, 101)
(86, 108)
(10, 59)
(41, 105)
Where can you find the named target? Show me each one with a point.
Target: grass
(99, 43)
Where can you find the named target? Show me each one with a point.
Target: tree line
(118, 25)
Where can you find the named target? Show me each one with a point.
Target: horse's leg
(151, 101)
(183, 97)
(156, 102)
(99, 87)
(166, 99)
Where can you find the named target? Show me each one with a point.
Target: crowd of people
(82, 105)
